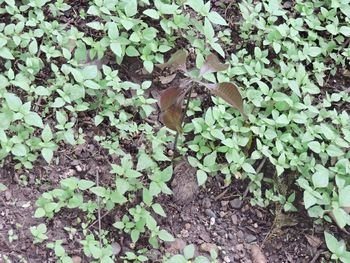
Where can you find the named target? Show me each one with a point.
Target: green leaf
(6, 53)
(131, 51)
(314, 51)
(210, 159)
(144, 162)
(165, 236)
(46, 134)
(147, 197)
(2, 187)
(19, 150)
(13, 102)
(99, 191)
(334, 151)
(208, 30)
(135, 234)
(47, 153)
(116, 49)
(215, 18)
(131, 8)
(332, 242)
(34, 119)
(39, 212)
(315, 146)
(248, 168)
(151, 13)
(85, 184)
(309, 199)
(344, 196)
(189, 251)
(321, 177)
(201, 177)
(157, 208)
(345, 30)
(148, 65)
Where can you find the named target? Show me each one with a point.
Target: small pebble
(234, 219)
(187, 226)
(236, 203)
(212, 221)
(227, 259)
(206, 202)
(210, 213)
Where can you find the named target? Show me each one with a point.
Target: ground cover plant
(93, 101)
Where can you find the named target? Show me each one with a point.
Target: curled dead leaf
(167, 79)
(177, 61)
(229, 93)
(313, 241)
(212, 64)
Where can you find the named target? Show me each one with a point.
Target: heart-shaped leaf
(176, 61)
(229, 93)
(212, 64)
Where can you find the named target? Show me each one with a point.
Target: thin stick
(182, 118)
(98, 209)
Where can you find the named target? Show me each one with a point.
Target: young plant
(39, 233)
(172, 99)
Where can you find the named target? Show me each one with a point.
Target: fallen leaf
(172, 117)
(167, 79)
(313, 241)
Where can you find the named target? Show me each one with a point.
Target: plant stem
(182, 118)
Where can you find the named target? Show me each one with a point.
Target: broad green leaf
(332, 242)
(13, 101)
(248, 168)
(117, 49)
(208, 30)
(309, 199)
(144, 162)
(47, 153)
(210, 159)
(6, 53)
(148, 65)
(189, 251)
(215, 18)
(151, 13)
(19, 149)
(321, 177)
(33, 119)
(131, 8)
(165, 236)
(85, 184)
(201, 177)
(158, 209)
(315, 146)
(46, 134)
(147, 197)
(344, 196)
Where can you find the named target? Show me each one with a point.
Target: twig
(182, 118)
(98, 209)
(317, 255)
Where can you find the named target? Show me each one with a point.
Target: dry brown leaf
(257, 255)
(313, 240)
(170, 96)
(167, 79)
